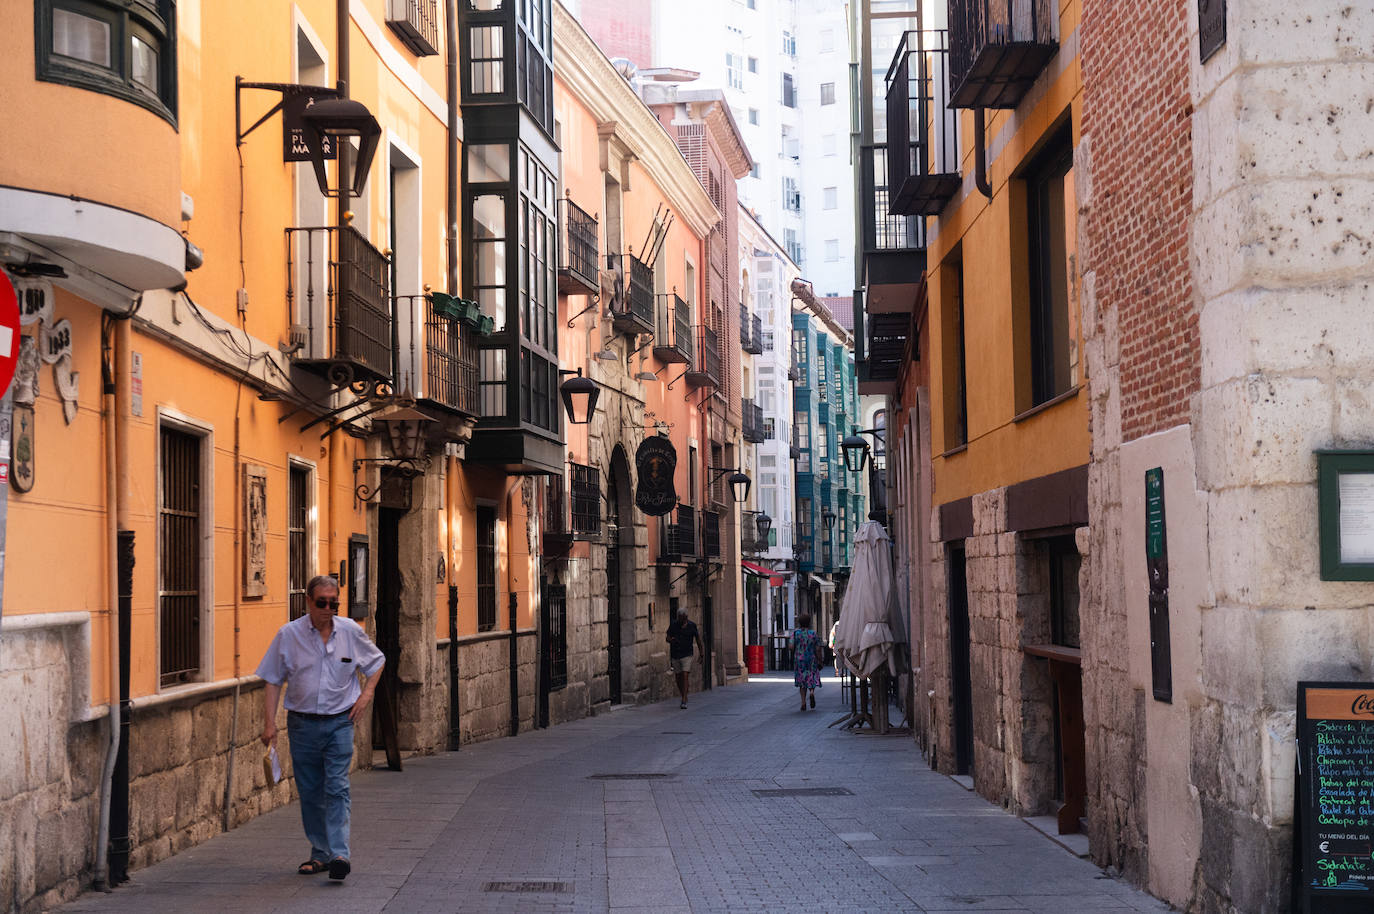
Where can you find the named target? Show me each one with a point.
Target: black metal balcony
(338, 291)
(710, 534)
(416, 23)
(886, 343)
(558, 535)
(922, 132)
(673, 341)
(794, 449)
(997, 49)
(586, 501)
(632, 311)
(450, 361)
(752, 422)
(678, 537)
(750, 543)
(750, 332)
(577, 270)
(705, 367)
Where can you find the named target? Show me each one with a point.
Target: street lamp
(765, 524)
(739, 482)
(855, 453)
(579, 397)
(339, 119)
(856, 448)
(405, 428)
(829, 517)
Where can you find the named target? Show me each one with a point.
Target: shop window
(125, 49)
(1051, 210)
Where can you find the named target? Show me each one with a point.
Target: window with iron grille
(486, 569)
(179, 535)
(297, 518)
(586, 499)
(556, 597)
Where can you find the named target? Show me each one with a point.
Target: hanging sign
(1335, 797)
(656, 461)
(293, 107)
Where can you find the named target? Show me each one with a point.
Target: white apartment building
(784, 68)
(766, 274)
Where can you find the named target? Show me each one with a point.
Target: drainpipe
(455, 716)
(451, 30)
(980, 154)
(344, 148)
(112, 841)
(514, 601)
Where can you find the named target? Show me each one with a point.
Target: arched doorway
(620, 567)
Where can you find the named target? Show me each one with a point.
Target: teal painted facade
(825, 408)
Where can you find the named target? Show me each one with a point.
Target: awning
(758, 570)
(825, 584)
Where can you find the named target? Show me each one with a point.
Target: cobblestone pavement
(653, 809)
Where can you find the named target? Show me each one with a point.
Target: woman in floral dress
(806, 659)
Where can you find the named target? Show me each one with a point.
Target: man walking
(681, 633)
(319, 657)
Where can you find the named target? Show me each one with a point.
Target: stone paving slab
(533, 824)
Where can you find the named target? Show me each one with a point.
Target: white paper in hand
(271, 764)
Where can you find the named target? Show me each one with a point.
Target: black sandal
(339, 868)
(312, 867)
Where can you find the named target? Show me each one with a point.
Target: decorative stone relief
(255, 531)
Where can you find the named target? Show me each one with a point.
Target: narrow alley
(740, 803)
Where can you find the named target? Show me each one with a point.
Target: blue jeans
(321, 752)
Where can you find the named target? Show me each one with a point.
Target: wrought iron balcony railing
(997, 49)
(750, 543)
(633, 309)
(673, 341)
(922, 131)
(416, 23)
(751, 418)
(450, 359)
(558, 536)
(710, 534)
(885, 344)
(883, 232)
(757, 324)
(744, 326)
(705, 370)
(678, 537)
(750, 331)
(338, 291)
(577, 270)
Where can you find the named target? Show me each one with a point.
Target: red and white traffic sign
(9, 331)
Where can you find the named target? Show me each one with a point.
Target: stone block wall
(484, 683)
(51, 764)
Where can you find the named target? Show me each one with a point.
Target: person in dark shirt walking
(681, 633)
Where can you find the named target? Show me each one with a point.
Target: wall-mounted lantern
(341, 119)
(579, 397)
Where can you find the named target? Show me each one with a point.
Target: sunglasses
(321, 603)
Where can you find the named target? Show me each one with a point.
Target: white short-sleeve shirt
(321, 676)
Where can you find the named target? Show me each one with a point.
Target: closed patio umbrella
(865, 638)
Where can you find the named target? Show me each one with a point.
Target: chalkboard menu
(1334, 841)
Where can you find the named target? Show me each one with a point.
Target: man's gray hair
(682, 612)
(321, 580)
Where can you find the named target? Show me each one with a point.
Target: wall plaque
(1211, 27)
(1157, 570)
(255, 531)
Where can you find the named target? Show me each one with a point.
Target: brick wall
(1137, 111)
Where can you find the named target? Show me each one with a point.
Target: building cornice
(612, 101)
